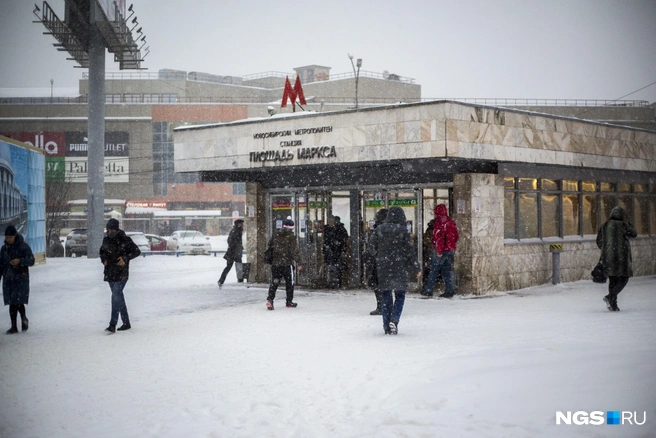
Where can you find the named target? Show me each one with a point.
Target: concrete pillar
(255, 226)
(479, 256)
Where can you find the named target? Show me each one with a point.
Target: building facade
(516, 182)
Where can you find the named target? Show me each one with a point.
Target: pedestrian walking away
(335, 239)
(15, 259)
(235, 248)
(370, 265)
(445, 238)
(396, 257)
(613, 240)
(116, 251)
(285, 254)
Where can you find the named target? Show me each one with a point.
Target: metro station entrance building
(515, 182)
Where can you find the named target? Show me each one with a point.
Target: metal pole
(96, 142)
(356, 238)
(52, 81)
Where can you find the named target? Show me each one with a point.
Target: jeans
(392, 311)
(277, 274)
(118, 303)
(441, 264)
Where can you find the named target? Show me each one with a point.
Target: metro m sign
(292, 93)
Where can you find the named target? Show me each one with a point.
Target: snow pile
(204, 362)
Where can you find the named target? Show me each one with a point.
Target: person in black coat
(395, 256)
(334, 247)
(370, 265)
(613, 240)
(235, 248)
(15, 259)
(116, 251)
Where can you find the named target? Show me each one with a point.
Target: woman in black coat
(15, 259)
(235, 248)
(115, 254)
(613, 240)
(395, 256)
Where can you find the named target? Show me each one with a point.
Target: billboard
(67, 154)
(22, 193)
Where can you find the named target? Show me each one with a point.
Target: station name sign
(303, 152)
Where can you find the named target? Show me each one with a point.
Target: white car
(140, 239)
(191, 242)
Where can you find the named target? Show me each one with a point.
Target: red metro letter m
(292, 94)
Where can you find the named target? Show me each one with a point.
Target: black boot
(124, 327)
(25, 323)
(379, 299)
(13, 316)
(111, 329)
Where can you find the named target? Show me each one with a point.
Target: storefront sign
(375, 203)
(145, 204)
(402, 202)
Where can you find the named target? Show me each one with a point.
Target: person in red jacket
(445, 238)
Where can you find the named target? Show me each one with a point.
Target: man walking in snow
(613, 240)
(15, 259)
(445, 238)
(116, 251)
(285, 253)
(235, 248)
(395, 256)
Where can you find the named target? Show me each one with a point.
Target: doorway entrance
(312, 211)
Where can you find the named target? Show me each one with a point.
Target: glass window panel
(607, 204)
(640, 188)
(509, 182)
(509, 216)
(626, 202)
(652, 215)
(590, 209)
(132, 98)
(623, 187)
(607, 187)
(550, 216)
(641, 219)
(528, 215)
(549, 184)
(528, 184)
(570, 186)
(570, 215)
(589, 186)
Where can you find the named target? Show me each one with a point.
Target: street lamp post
(357, 76)
(52, 81)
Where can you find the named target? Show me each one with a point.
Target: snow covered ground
(204, 362)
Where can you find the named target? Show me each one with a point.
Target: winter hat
(239, 221)
(10, 231)
(112, 224)
(288, 223)
(381, 215)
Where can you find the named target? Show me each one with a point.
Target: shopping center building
(518, 183)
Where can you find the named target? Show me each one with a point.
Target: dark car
(76, 242)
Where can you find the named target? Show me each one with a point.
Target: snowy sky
(583, 49)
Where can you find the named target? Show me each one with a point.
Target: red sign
(293, 93)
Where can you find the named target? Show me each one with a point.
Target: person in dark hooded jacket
(15, 259)
(370, 265)
(445, 238)
(395, 256)
(613, 240)
(335, 239)
(116, 251)
(235, 248)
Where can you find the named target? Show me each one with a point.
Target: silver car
(191, 242)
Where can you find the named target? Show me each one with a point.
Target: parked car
(140, 239)
(191, 242)
(157, 243)
(76, 242)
